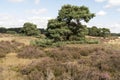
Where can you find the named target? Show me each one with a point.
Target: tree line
(99, 32)
(19, 30)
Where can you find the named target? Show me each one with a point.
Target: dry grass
(31, 52)
(116, 41)
(71, 62)
(10, 65)
(7, 47)
(21, 39)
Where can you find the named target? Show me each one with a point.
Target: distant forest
(16, 30)
(42, 30)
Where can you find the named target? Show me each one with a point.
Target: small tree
(30, 29)
(94, 31)
(100, 32)
(105, 32)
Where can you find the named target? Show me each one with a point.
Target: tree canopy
(67, 25)
(30, 29)
(76, 13)
(100, 32)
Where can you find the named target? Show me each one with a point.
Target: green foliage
(105, 32)
(57, 30)
(3, 30)
(42, 42)
(94, 31)
(100, 32)
(17, 30)
(91, 41)
(11, 32)
(30, 29)
(41, 36)
(51, 43)
(115, 34)
(69, 12)
(67, 25)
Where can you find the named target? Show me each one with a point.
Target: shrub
(64, 54)
(51, 43)
(92, 41)
(42, 42)
(7, 47)
(82, 62)
(31, 52)
(69, 53)
(59, 44)
(30, 29)
(106, 61)
(11, 32)
(48, 69)
(37, 70)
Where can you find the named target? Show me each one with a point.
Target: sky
(14, 13)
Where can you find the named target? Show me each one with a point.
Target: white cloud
(114, 27)
(37, 11)
(99, 0)
(37, 1)
(101, 13)
(9, 21)
(40, 21)
(5, 17)
(112, 3)
(16, 0)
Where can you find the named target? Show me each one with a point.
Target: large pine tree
(67, 25)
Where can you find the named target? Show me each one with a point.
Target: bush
(11, 32)
(42, 42)
(83, 62)
(50, 43)
(91, 41)
(7, 47)
(48, 69)
(104, 60)
(69, 53)
(31, 52)
(30, 29)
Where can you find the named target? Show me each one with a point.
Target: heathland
(66, 50)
